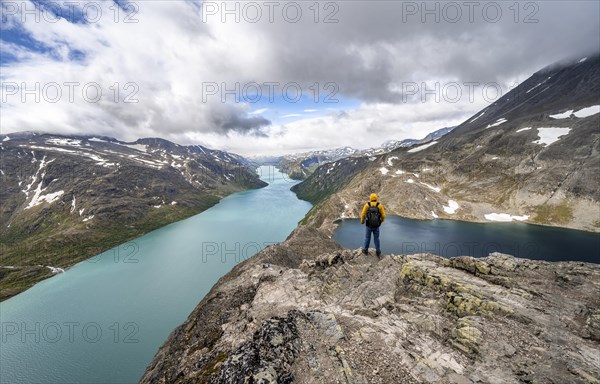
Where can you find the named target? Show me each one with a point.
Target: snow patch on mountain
(586, 112)
(531, 89)
(436, 189)
(137, 147)
(97, 140)
(563, 115)
(482, 113)
(422, 147)
(34, 177)
(505, 217)
(550, 135)
(49, 198)
(38, 198)
(497, 123)
(71, 142)
(451, 207)
(391, 159)
(98, 159)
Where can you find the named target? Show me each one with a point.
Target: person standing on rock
(374, 214)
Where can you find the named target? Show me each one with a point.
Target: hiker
(374, 214)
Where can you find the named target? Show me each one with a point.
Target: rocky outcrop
(307, 311)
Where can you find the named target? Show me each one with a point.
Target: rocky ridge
(307, 311)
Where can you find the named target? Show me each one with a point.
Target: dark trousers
(375, 232)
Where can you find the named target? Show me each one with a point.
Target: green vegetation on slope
(28, 255)
(553, 213)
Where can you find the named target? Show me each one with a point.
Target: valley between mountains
(309, 311)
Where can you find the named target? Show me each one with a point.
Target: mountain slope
(299, 166)
(390, 145)
(503, 163)
(64, 199)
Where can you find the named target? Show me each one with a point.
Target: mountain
(307, 311)
(67, 198)
(265, 160)
(532, 156)
(301, 165)
(391, 145)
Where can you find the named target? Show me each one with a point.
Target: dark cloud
(236, 122)
(369, 53)
(378, 43)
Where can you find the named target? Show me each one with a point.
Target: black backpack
(373, 216)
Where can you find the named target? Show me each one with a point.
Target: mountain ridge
(301, 165)
(67, 198)
(517, 158)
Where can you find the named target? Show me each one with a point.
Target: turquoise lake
(103, 320)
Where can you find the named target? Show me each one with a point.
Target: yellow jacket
(373, 199)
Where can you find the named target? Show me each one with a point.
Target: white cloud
(363, 127)
(258, 111)
(167, 58)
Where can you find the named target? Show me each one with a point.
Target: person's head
(373, 197)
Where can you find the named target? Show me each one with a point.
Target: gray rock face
(325, 315)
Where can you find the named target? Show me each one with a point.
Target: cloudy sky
(274, 77)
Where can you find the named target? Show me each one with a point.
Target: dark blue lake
(451, 238)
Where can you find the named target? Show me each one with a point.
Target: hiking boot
(365, 252)
(378, 254)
